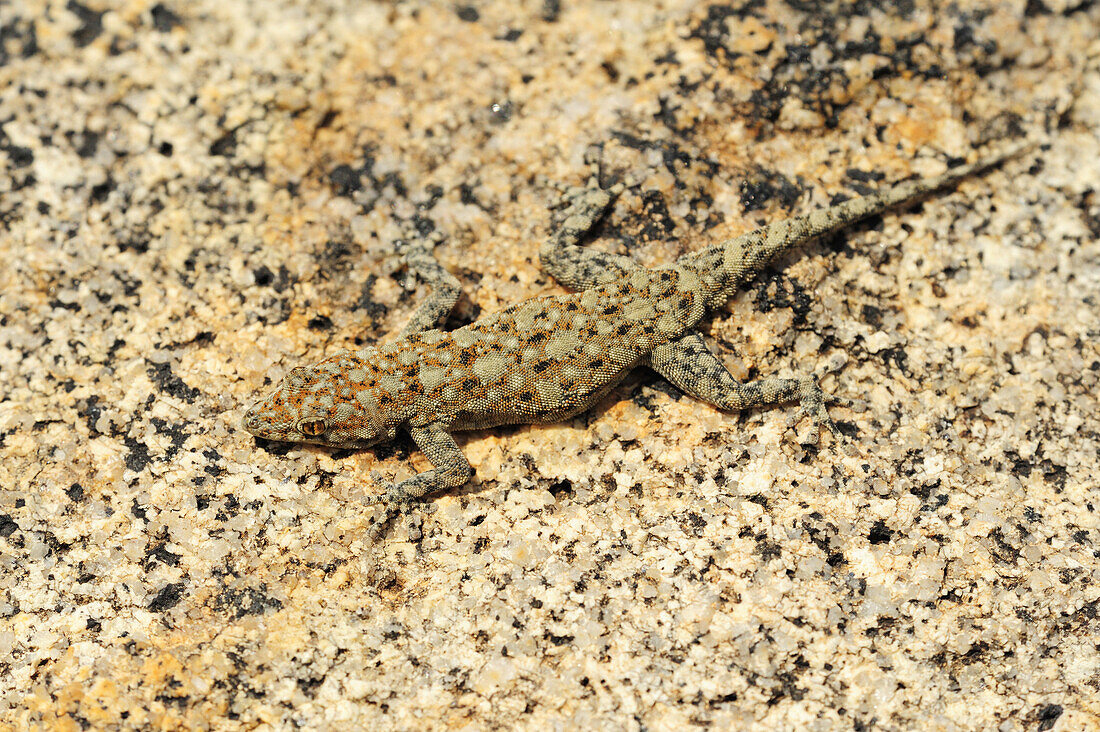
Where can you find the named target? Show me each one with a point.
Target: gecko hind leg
(564, 258)
(445, 288)
(690, 366)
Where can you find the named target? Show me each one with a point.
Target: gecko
(551, 357)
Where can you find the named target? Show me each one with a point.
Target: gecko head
(333, 403)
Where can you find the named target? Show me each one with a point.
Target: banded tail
(726, 265)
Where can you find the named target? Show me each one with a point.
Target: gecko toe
(412, 527)
(378, 525)
(857, 405)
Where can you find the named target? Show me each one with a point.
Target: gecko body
(551, 357)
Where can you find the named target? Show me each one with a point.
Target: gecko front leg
(451, 470)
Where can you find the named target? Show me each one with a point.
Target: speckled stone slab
(198, 196)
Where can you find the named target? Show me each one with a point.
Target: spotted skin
(551, 357)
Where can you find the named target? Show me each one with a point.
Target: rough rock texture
(199, 196)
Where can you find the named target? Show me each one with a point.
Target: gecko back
(541, 360)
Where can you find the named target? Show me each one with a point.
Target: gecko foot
(394, 502)
(394, 495)
(592, 193)
(812, 402)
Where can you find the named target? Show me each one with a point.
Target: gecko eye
(312, 427)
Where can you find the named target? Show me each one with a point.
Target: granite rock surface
(198, 196)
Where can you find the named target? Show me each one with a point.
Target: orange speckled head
(333, 403)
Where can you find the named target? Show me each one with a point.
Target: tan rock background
(198, 196)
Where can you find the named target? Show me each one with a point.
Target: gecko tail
(727, 265)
